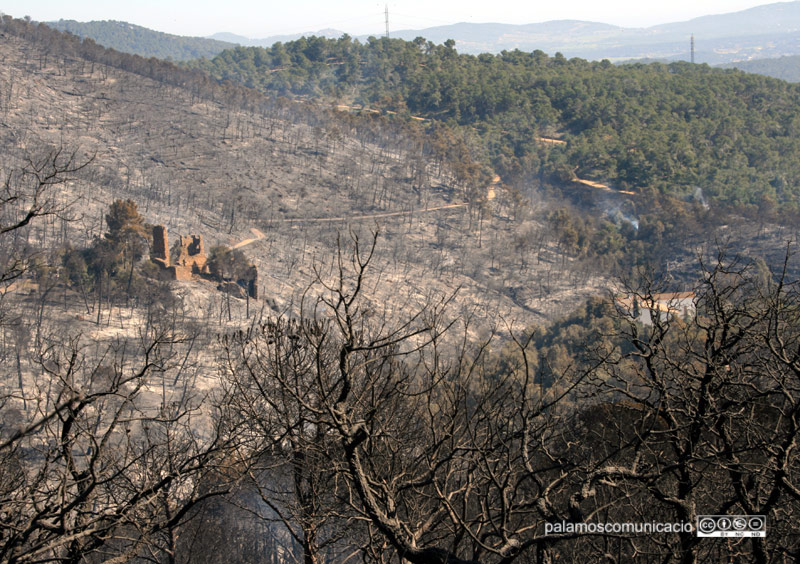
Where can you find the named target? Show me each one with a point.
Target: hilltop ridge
(771, 30)
(138, 40)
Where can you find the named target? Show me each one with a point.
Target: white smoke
(698, 197)
(617, 216)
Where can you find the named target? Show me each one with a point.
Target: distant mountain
(712, 52)
(770, 19)
(137, 40)
(269, 41)
(770, 30)
(232, 38)
(785, 68)
(549, 36)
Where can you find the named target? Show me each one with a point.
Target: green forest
(129, 38)
(654, 128)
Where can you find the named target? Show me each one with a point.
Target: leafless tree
(96, 464)
(705, 410)
(32, 193)
(293, 470)
(437, 457)
(448, 453)
(99, 465)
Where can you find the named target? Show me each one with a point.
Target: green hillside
(665, 128)
(785, 68)
(137, 40)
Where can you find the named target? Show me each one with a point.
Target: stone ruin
(191, 259)
(160, 254)
(191, 255)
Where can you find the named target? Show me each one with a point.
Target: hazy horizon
(358, 17)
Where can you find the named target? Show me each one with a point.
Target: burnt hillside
(220, 161)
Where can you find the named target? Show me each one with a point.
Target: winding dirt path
(490, 195)
(361, 217)
(259, 235)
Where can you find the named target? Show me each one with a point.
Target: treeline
(666, 128)
(449, 149)
(138, 40)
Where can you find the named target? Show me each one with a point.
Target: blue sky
(260, 18)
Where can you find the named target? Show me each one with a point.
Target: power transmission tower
(692, 47)
(387, 20)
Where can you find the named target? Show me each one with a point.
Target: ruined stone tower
(160, 254)
(191, 257)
